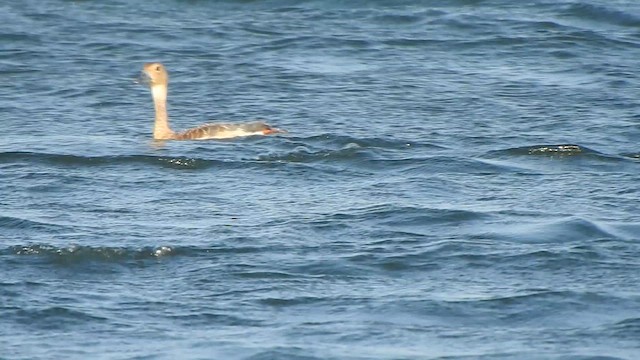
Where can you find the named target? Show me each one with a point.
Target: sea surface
(460, 180)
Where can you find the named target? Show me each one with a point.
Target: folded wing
(226, 131)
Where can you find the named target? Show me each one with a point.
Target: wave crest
(79, 254)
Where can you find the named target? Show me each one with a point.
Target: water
(459, 180)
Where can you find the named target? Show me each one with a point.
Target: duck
(156, 76)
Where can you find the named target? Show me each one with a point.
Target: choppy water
(460, 181)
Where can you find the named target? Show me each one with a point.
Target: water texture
(459, 180)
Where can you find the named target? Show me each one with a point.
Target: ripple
(279, 352)
(626, 329)
(400, 19)
(603, 14)
(559, 231)
(54, 318)
(16, 223)
(394, 215)
(79, 160)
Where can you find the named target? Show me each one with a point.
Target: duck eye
(158, 68)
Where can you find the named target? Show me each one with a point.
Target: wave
(366, 152)
(78, 254)
(571, 243)
(567, 156)
(541, 305)
(53, 318)
(567, 230)
(284, 352)
(535, 296)
(548, 150)
(635, 156)
(559, 151)
(370, 153)
(626, 329)
(390, 214)
(335, 141)
(373, 153)
(10, 223)
(290, 150)
(602, 14)
(74, 254)
(178, 162)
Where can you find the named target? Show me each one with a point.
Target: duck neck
(161, 129)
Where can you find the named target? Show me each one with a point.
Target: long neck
(161, 129)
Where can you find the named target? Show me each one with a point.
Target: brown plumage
(158, 78)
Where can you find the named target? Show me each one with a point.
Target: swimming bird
(157, 77)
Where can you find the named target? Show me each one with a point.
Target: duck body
(226, 131)
(157, 77)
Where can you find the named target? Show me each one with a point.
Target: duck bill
(274, 131)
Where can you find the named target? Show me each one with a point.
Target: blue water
(460, 180)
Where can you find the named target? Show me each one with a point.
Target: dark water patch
(397, 237)
(511, 42)
(207, 317)
(544, 158)
(414, 216)
(499, 252)
(602, 14)
(564, 54)
(371, 153)
(235, 247)
(626, 231)
(589, 357)
(548, 150)
(266, 275)
(26, 38)
(429, 255)
(306, 155)
(520, 308)
(379, 154)
(281, 352)
(575, 41)
(329, 269)
(294, 301)
(186, 163)
(53, 318)
(403, 264)
(537, 306)
(388, 143)
(12, 224)
(408, 42)
(400, 19)
(634, 156)
(78, 254)
(16, 289)
(628, 329)
(571, 259)
(82, 254)
(558, 151)
(267, 33)
(394, 215)
(316, 42)
(523, 299)
(415, 261)
(440, 164)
